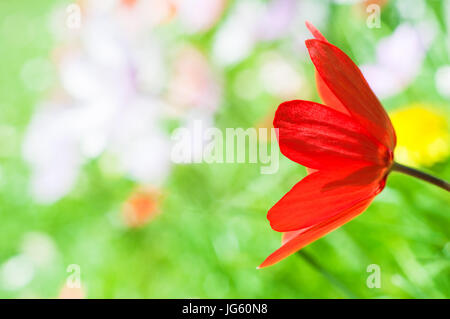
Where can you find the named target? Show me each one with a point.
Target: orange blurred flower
(67, 292)
(141, 207)
(128, 3)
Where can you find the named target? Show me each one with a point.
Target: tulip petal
(328, 98)
(316, 33)
(319, 137)
(299, 239)
(346, 82)
(287, 236)
(322, 195)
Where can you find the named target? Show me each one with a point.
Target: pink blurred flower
(277, 20)
(399, 59)
(199, 15)
(193, 83)
(109, 104)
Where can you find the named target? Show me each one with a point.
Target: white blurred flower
(105, 43)
(16, 272)
(39, 248)
(140, 15)
(251, 22)
(199, 15)
(150, 67)
(196, 124)
(316, 12)
(193, 84)
(99, 7)
(277, 20)
(79, 78)
(442, 80)
(137, 140)
(235, 40)
(279, 76)
(50, 147)
(399, 59)
(194, 94)
(107, 109)
(59, 141)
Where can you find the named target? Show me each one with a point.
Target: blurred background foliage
(154, 229)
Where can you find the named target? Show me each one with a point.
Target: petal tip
(316, 33)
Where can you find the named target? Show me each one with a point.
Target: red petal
(322, 195)
(328, 98)
(346, 82)
(287, 236)
(305, 237)
(319, 137)
(316, 33)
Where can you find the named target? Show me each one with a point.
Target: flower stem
(421, 175)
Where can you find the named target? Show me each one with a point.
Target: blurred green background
(199, 230)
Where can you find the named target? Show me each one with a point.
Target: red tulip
(346, 144)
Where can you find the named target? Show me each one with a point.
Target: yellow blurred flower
(423, 137)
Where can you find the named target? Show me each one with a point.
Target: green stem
(421, 175)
